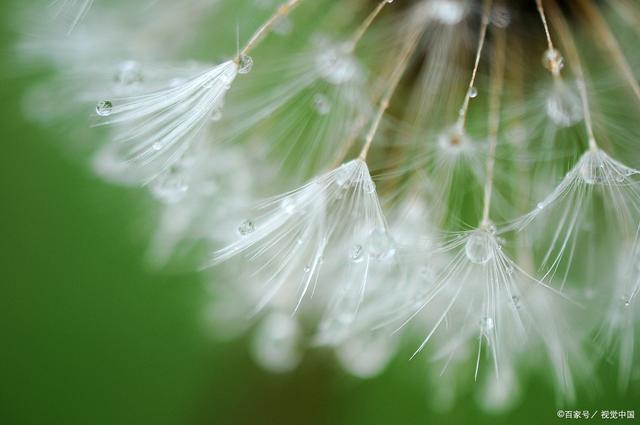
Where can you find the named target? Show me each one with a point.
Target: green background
(90, 335)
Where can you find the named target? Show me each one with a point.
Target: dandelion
(453, 189)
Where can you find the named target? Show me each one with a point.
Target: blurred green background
(90, 335)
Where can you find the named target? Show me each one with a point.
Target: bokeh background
(90, 334)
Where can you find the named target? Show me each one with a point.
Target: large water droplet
(104, 108)
(479, 247)
(592, 172)
(473, 92)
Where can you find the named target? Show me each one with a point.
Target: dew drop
(473, 92)
(380, 245)
(540, 205)
(156, 146)
(247, 226)
(245, 65)
(307, 269)
(357, 254)
(104, 108)
(479, 247)
(592, 173)
(321, 104)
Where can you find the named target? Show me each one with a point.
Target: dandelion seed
(155, 130)
(333, 214)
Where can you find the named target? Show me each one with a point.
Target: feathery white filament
(154, 130)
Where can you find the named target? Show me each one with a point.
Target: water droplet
(509, 269)
(479, 247)
(156, 146)
(492, 228)
(307, 269)
(592, 172)
(246, 227)
(626, 301)
(321, 104)
(473, 92)
(619, 178)
(245, 65)
(553, 60)
(356, 254)
(380, 245)
(540, 205)
(104, 108)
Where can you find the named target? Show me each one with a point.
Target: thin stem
(572, 52)
(362, 29)
(497, 80)
(486, 10)
(283, 10)
(543, 17)
(396, 76)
